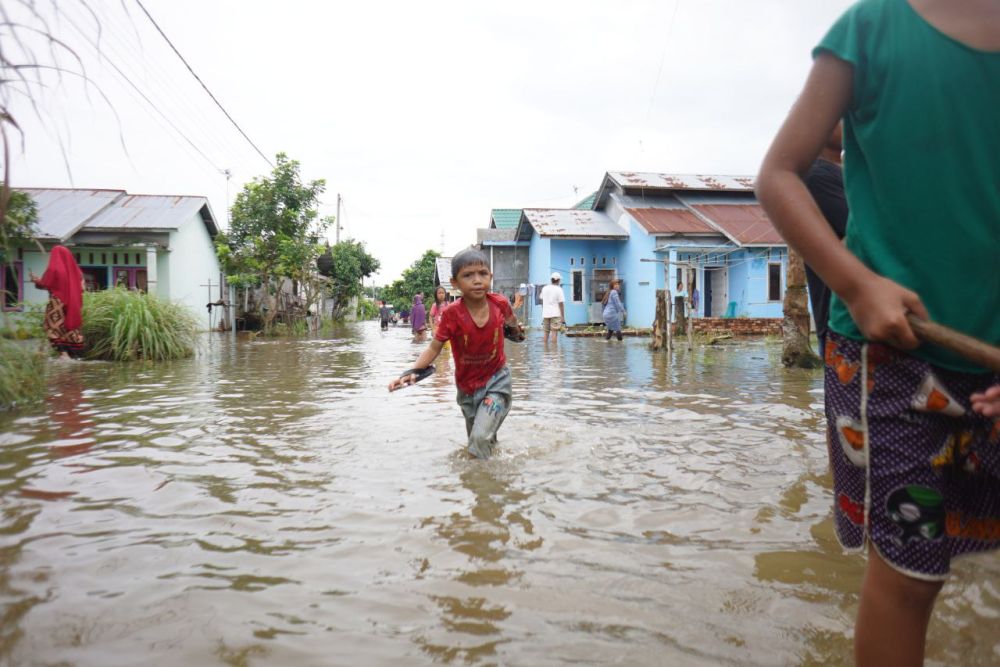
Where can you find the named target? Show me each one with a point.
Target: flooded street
(269, 503)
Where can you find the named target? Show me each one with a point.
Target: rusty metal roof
(648, 180)
(744, 223)
(64, 212)
(569, 223)
(670, 221)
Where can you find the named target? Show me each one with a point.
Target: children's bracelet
(421, 373)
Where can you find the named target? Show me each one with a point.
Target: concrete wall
(191, 264)
(641, 279)
(539, 272)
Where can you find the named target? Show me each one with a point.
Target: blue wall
(641, 279)
(538, 271)
(747, 279)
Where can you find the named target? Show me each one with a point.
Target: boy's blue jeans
(484, 411)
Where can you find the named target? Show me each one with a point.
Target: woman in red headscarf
(64, 282)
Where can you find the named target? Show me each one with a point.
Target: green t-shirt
(922, 167)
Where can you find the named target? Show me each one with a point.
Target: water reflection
(269, 503)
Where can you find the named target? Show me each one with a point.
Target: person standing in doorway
(64, 282)
(553, 307)
(614, 311)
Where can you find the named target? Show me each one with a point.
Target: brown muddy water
(269, 503)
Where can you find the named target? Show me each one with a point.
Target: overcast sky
(424, 116)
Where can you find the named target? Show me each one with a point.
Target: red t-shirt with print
(478, 351)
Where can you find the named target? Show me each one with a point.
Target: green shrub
(22, 374)
(367, 310)
(123, 325)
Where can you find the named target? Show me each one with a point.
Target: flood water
(269, 503)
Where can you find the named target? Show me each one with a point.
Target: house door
(94, 278)
(600, 284)
(716, 291)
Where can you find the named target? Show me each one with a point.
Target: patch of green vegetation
(125, 325)
(22, 374)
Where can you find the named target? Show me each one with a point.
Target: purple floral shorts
(914, 470)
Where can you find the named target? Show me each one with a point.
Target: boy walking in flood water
(474, 324)
(915, 459)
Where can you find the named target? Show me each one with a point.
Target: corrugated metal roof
(62, 211)
(505, 218)
(587, 202)
(670, 221)
(572, 223)
(634, 179)
(744, 223)
(488, 236)
(148, 212)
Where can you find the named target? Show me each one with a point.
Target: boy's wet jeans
(484, 411)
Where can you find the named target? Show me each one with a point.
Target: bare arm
(878, 305)
(425, 359)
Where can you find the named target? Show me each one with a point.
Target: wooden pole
(968, 347)
(660, 322)
(670, 325)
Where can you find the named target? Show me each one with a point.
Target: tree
(796, 351)
(346, 264)
(419, 277)
(273, 234)
(18, 224)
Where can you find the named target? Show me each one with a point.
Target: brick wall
(738, 326)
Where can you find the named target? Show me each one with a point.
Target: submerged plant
(124, 325)
(22, 374)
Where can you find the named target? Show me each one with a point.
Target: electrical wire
(190, 69)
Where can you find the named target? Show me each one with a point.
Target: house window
(593, 261)
(78, 260)
(114, 257)
(614, 260)
(138, 258)
(12, 286)
(571, 261)
(578, 287)
(774, 282)
(582, 262)
(604, 260)
(104, 258)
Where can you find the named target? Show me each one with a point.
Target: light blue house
(156, 243)
(653, 231)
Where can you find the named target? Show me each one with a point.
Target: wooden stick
(971, 348)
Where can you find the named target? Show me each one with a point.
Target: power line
(198, 78)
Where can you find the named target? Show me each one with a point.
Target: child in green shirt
(912, 432)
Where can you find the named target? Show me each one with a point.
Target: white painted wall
(191, 262)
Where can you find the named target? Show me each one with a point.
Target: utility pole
(337, 221)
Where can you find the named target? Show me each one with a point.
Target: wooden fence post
(660, 323)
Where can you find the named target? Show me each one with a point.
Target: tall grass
(124, 325)
(22, 374)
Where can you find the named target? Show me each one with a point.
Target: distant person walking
(64, 282)
(384, 315)
(553, 307)
(614, 311)
(418, 315)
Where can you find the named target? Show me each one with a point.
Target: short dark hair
(467, 257)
